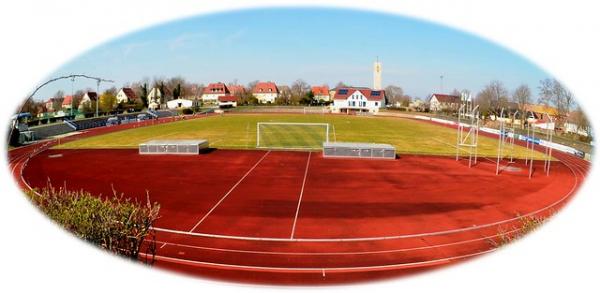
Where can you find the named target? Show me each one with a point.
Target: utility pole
(97, 95)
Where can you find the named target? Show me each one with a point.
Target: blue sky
(320, 46)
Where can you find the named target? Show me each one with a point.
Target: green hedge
(115, 223)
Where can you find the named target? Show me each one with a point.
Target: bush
(187, 111)
(116, 224)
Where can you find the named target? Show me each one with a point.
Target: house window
(376, 103)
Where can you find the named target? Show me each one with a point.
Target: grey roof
(176, 141)
(358, 145)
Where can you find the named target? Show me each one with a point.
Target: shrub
(116, 224)
(524, 227)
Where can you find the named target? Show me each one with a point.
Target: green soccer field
(239, 131)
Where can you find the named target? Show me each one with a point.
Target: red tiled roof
(129, 93)
(265, 87)
(67, 100)
(446, 98)
(372, 95)
(234, 89)
(320, 90)
(228, 98)
(216, 88)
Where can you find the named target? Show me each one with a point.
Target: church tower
(377, 75)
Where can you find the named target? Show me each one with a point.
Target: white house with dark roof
(354, 99)
(126, 95)
(88, 99)
(439, 102)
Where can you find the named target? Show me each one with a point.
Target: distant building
(442, 102)
(228, 101)
(377, 75)
(235, 89)
(68, 103)
(154, 98)
(126, 95)
(265, 92)
(321, 93)
(180, 103)
(88, 99)
(355, 99)
(213, 91)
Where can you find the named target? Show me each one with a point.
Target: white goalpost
(291, 135)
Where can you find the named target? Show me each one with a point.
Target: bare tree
(394, 94)
(299, 89)
(522, 96)
(553, 93)
(492, 98)
(341, 84)
(57, 101)
(579, 118)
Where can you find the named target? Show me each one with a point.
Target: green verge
(238, 131)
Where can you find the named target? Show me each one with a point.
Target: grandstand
(358, 150)
(45, 131)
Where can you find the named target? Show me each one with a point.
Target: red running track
(297, 218)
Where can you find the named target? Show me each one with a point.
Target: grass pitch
(238, 131)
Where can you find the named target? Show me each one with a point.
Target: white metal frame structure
(506, 140)
(548, 150)
(259, 124)
(530, 144)
(468, 136)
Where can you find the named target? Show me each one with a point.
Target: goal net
(285, 135)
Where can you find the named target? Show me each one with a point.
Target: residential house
(321, 93)
(357, 99)
(89, 99)
(229, 101)
(126, 95)
(265, 92)
(213, 91)
(443, 102)
(154, 98)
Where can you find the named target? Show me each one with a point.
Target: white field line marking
(461, 149)
(425, 247)
(300, 198)
(426, 234)
(228, 192)
(319, 270)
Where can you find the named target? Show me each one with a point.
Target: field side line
(301, 193)
(461, 149)
(230, 190)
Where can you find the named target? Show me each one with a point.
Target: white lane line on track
(319, 270)
(300, 198)
(228, 192)
(435, 233)
(425, 247)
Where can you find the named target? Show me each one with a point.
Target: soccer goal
(288, 135)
